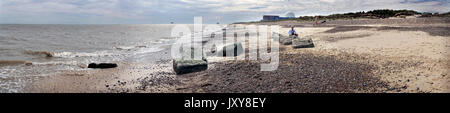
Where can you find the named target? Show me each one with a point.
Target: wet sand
(366, 57)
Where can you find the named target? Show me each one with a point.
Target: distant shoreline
(351, 56)
(374, 14)
(432, 21)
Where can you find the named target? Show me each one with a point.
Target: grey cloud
(183, 11)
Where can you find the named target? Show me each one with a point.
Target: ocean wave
(124, 47)
(13, 62)
(148, 50)
(68, 54)
(140, 49)
(130, 50)
(167, 37)
(129, 47)
(160, 41)
(39, 53)
(27, 63)
(81, 54)
(70, 63)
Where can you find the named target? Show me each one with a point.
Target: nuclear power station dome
(289, 14)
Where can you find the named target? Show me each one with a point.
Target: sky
(184, 11)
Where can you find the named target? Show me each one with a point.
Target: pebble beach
(350, 56)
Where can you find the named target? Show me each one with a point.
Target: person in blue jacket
(292, 32)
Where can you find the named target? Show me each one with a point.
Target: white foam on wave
(4, 72)
(147, 50)
(57, 63)
(82, 54)
(124, 47)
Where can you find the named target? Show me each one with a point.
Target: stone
(28, 63)
(213, 49)
(305, 42)
(102, 65)
(81, 65)
(285, 40)
(189, 66)
(275, 34)
(236, 47)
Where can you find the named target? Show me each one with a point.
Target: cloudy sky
(183, 11)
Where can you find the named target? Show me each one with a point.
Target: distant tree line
(374, 14)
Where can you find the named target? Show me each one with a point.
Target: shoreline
(393, 58)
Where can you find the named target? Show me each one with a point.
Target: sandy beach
(350, 56)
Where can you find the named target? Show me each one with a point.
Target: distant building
(287, 15)
(270, 17)
(427, 14)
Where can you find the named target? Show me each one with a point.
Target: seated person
(292, 32)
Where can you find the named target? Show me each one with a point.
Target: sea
(31, 51)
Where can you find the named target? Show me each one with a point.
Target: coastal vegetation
(374, 14)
